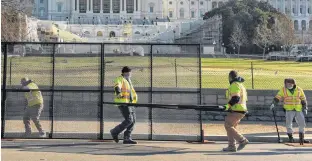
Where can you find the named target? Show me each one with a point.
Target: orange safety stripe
(285, 92)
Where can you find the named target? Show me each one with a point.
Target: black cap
(125, 69)
(233, 74)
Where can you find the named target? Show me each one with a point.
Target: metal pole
(202, 137)
(252, 76)
(52, 95)
(150, 110)
(176, 73)
(3, 91)
(102, 61)
(11, 71)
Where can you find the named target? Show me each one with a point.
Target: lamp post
(214, 45)
(223, 48)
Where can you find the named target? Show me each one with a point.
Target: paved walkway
(84, 150)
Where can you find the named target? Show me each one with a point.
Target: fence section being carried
(75, 79)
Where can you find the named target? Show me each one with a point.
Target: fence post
(102, 61)
(202, 137)
(176, 73)
(252, 76)
(11, 71)
(52, 95)
(3, 91)
(150, 110)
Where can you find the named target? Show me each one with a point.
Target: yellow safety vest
(292, 101)
(34, 97)
(237, 89)
(126, 89)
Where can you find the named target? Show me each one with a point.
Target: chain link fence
(76, 78)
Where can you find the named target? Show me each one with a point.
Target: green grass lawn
(86, 71)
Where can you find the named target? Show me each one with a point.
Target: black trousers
(130, 117)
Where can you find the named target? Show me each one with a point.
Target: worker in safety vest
(34, 106)
(125, 93)
(236, 107)
(295, 105)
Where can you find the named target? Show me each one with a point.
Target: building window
(96, 6)
(296, 25)
(99, 34)
(201, 13)
(301, 10)
(309, 11)
(75, 5)
(82, 6)
(41, 12)
(192, 2)
(130, 6)
(112, 34)
(170, 2)
(310, 25)
(303, 25)
(151, 7)
(116, 6)
(293, 10)
(89, 5)
(41, 1)
(181, 13)
(106, 6)
(170, 14)
(214, 4)
(193, 14)
(59, 7)
(181, 3)
(201, 3)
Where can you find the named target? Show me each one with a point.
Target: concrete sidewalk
(85, 150)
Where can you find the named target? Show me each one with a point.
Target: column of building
(121, 4)
(306, 7)
(284, 7)
(111, 6)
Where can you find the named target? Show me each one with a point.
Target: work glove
(272, 106)
(119, 95)
(224, 108)
(305, 112)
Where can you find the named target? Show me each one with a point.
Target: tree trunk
(238, 51)
(263, 51)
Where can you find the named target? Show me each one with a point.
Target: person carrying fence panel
(295, 106)
(34, 106)
(125, 93)
(237, 109)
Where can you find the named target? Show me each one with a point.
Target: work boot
(290, 138)
(129, 141)
(114, 136)
(302, 140)
(229, 149)
(242, 145)
(42, 134)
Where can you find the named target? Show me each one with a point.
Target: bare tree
(263, 37)
(288, 38)
(14, 19)
(238, 37)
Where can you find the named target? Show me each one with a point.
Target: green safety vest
(292, 101)
(237, 89)
(34, 97)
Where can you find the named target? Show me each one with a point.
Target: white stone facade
(189, 9)
(300, 12)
